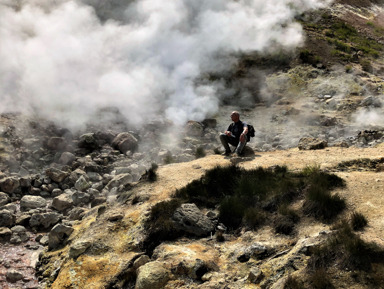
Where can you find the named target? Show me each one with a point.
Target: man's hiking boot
(226, 153)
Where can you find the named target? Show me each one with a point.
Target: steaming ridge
(65, 60)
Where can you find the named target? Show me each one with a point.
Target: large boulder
(32, 202)
(44, 220)
(125, 142)
(190, 219)
(152, 275)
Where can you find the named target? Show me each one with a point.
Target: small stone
(255, 275)
(13, 276)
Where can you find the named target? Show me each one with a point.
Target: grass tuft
(347, 250)
(293, 283)
(200, 152)
(152, 175)
(319, 202)
(358, 221)
(319, 279)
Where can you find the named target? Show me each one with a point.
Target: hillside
(362, 193)
(94, 207)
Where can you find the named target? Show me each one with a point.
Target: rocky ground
(73, 206)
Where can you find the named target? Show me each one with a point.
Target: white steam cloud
(64, 60)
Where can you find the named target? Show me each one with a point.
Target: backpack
(251, 132)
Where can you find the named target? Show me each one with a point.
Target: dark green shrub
(216, 151)
(319, 279)
(245, 197)
(347, 250)
(366, 65)
(342, 46)
(231, 212)
(254, 218)
(358, 221)
(283, 225)
(293, 283)
(151, 173)
(209, 190)
(348, 68)
(200, 152)
(343, 30)
(168, 159)
(159, 225)
(321, 204)
(309, 57)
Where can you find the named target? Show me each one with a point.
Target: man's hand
(243, 137)
(228, 133)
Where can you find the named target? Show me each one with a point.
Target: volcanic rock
(309, 143)
(4, 199)
(56, 143)
(13, 276)
(125, 142)
(19, 235)
(5, 234)
(76, 213)
(194, 129)
(119, 180)
(7, 219)
(56, 175)
(189, 218)
(29, 202)
(9, 185)
(152, 275)
(63, 201)
(80, 198)
(82, 184)
(58, 235)
(78, 248)
(88, 141)
(45, 220)
(67, 158)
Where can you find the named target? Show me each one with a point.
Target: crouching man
(235, 135)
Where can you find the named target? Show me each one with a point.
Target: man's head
(235, 116)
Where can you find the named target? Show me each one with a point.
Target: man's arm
(228, 132)
(243, 136)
